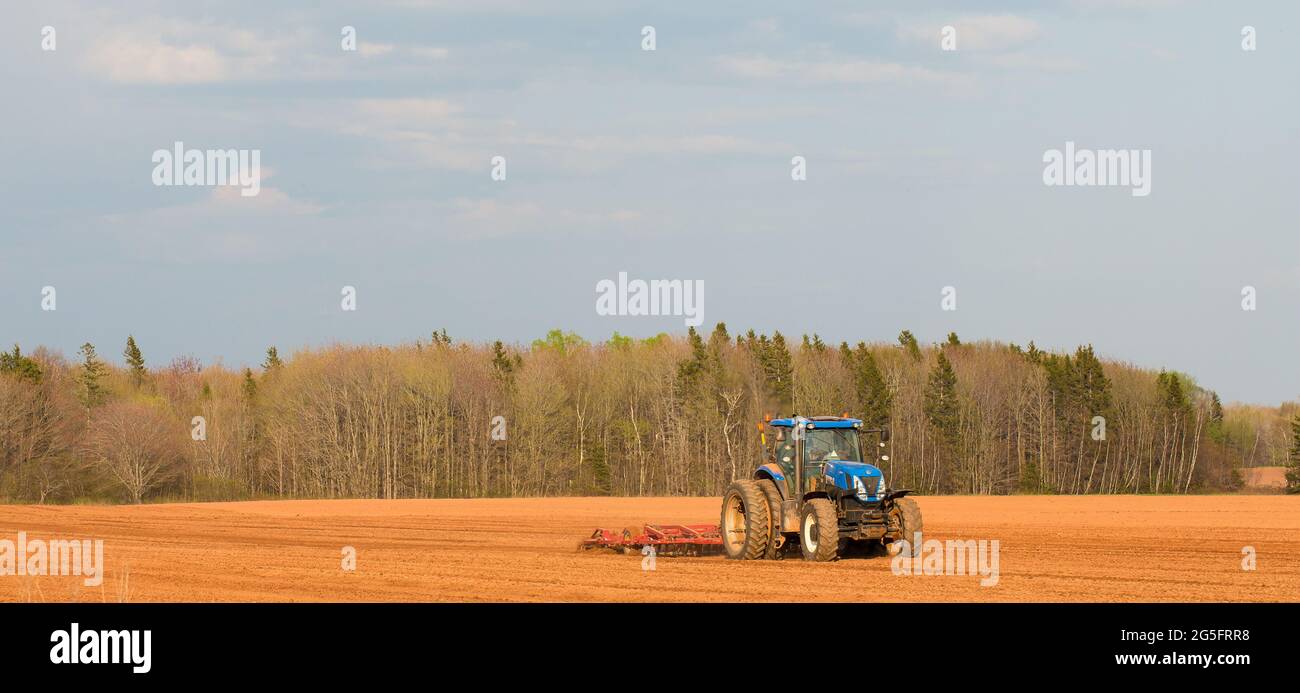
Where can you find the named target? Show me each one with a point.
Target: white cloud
(151, 62)
(169, 51)
(173, 51)
(834, 71)
(975, 32)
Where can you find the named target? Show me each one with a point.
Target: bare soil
(1052, 548)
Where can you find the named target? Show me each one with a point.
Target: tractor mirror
(884, 434)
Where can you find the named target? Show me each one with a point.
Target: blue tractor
(817, 490)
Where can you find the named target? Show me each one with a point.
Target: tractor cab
(805, 452)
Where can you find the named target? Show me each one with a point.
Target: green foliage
(815, 344)
(15, 364)
(1215, 429)
(1171, 393)
(1079, 387)
(504, 366)
(953, 340)
(90, 378)
(873, 394)
(272, 362)
(134, 362)
(601, 475)
(620, 342)
(1032, 354)
(941, 407)
(1031, 479)
(439, 338)
(560, 342)
(690, 371)
(909, 344)
(249, 387)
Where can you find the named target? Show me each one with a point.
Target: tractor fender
(774, 473)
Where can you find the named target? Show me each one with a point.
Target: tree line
(669, 415)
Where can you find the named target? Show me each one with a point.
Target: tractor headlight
(859, 487)
(880, 486)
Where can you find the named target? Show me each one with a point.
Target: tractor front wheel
(745, 525)
(819, 531)
(909, 521)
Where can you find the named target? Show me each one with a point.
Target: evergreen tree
(134, 361)
(1033, 354)
(601, 476)
(910, 346)
(943, 412)
(953, 340)
(940, 406)
(1172, 395)
(718, 343)
(90, 379)
(779, 372)
(249, 386)
(872, 391)
(690, 372)
(1293, 459)
(1092, 387)
(503, 366)
(14, 363)
(272, 362)
(1215, 428)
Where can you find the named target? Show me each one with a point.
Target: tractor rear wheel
(746, 527)
(819, 530)
(774, 515)
(909, 520)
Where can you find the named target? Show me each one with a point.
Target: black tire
(745, 524)
(773, 495)
(909, 519)
(819, 531)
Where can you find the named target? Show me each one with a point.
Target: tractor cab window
(831, 445)
(783, 447)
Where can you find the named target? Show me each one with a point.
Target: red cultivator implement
(667, 540)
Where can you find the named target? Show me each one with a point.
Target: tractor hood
(844, 475)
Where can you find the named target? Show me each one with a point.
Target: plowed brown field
(1110, 548)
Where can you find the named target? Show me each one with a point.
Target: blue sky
(924, 171)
